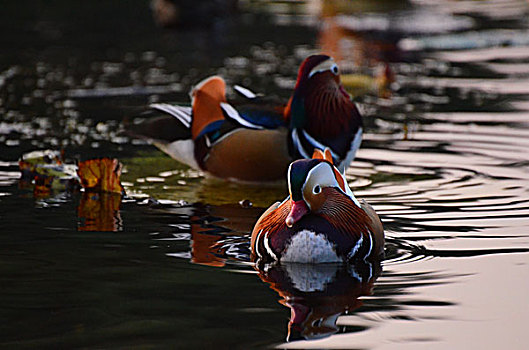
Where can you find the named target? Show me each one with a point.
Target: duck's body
(255, 139)
(319, 238)
(320, 222)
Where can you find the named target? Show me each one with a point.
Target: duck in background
(191, 13)
(354, 50)
(320, 221)
(254, 139)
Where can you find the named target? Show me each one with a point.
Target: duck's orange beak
(297, 211)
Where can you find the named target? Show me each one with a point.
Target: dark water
(444, 161)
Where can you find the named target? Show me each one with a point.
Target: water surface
(444, 162)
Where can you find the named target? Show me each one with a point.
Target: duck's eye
(334, 69)
(316, 189)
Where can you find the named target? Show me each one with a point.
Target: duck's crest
(325, 155)
(340, 178)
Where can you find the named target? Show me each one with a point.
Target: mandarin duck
(321, 221)
(192, 13)
(256, 138)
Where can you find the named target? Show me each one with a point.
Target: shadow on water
(444, 162)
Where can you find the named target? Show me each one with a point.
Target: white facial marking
(321, 175)
(288, 181)
(327, 65)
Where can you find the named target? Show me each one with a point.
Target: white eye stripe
(288, 180)
(323, 67)
(316, 71)
(321, 175)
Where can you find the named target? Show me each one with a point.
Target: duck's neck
(324, 112)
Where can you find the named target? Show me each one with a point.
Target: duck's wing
(356, 227)
(272, 220)
(163, 123)
(376, 227)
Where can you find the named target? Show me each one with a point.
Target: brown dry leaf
(101, 175)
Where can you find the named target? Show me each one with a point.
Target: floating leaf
(33, 163)
(47, 172)
(101, 175)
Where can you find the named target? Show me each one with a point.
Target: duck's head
(319, 97)
(315, 71)
(310, 183)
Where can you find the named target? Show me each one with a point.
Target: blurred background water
(444, 161)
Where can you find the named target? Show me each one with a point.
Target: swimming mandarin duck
(321, 221)
(253, 139)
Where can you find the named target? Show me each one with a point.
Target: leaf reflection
(99, 212)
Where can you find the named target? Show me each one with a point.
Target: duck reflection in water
(317, 294)
(219, 233)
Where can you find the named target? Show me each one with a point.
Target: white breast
(311, 248)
